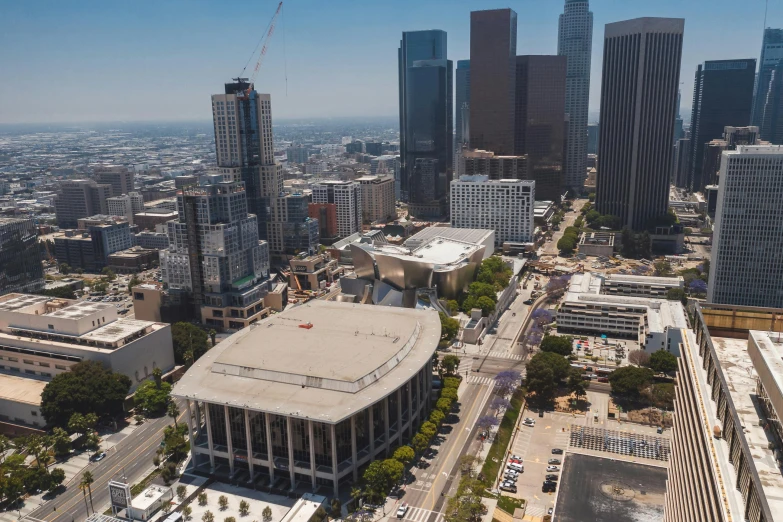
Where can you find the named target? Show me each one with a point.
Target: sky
(97, 60)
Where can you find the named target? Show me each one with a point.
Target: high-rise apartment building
(505, 206)
(637, 124)
(120, 206)
(722, 96)
(78, 199)
(120, 178)
(292, 229)
(493, 51)
(20, 257)
(462, 103)
(540, 121)
(771, 54)
(377, 198)
(215, 256)
(732, 137)
(429, 49)
(747, 254)
(575, 41)
(244, 147)
(347, 198)
(427, 82)
(473, 162)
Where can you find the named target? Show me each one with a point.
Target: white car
(529, 423)
(515, 467)
(515, 457)
(402, 510)
(552, 468)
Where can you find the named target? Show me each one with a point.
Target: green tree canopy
(479, 289)
(677, 294)
(450, 363)
(188, 337)
(663, 361)
(151, 398)
(557, 344)
(576, 384)
(630, 380)
(449, 328)
(486, 304)
(174, 442)
(544, 371)
(404, 454)
(88, 387)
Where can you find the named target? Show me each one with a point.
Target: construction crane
(263, 43)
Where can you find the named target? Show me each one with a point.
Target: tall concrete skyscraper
(575, 41)
(462, 103)
(722, 96)
(771, 54)
(426, 113)
(493, 50)
(640, 78)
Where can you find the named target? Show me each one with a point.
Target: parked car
(516, 467)
(402, 510)
(557, 451)
(516, 457)
(553, 461)
(515, 461)
(528, 301)
(552, 468)
(510, 477)
(552, 477)
(548, 488)
(509, 487)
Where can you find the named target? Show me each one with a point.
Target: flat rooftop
(645, 280)
(322, 360)
(120, 329)
(468, 235)
(21, 389)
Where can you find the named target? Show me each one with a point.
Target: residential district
(491, 310)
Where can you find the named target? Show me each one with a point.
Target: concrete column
(415, 407)
(399, 416)
(198, 419)
(228, 440)
(310, 432)
(209, 437)
(372, 432)
(386, 435)
(335, 478)
(353, 449)
(189, 421)
(249, 445)
(269, 449)
(428, 387)
(410, 411)
(289, 432)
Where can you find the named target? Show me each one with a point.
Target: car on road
(603, 379)
(553, 461)
(552, 468)
(528, 301)
(99, 456)
(557, 451)
(402, 510)
(552, 477)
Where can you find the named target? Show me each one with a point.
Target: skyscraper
(78, 199)
(540, 121)
(747, 254)
(347, 198)
(119, 177)
(722, 96)
(462, 103)
(771, 54)
(772, 117)
(20, 257)
(575, 41)
(641, 74)
(493, 50)
(416, 46)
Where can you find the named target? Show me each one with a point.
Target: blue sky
(91, 60)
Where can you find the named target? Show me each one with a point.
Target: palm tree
(88, 479)
(188, 356)
(83, 487)
(173, 412)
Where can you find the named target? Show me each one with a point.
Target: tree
(61, 442)
(134, 281)
(507, 381)
(698, 286)
(576, 384)
(187, 513)
(450, 363)
(88, 387)
(499, 403)
(380, 476)
(436, 417)
(663, 395)
(542, 316)
(152, 399)
(566, 244)
(207, 517)
(485, 422)
(639, 358)
(337, 509)
(266, 514)
(65, 268)
(663, 362)
(630, 380)
(57, 477)
(404, 454)
(87, 480)
(187, 337)
(213, 336)
(486, 304)
(444, 405)
(544, 371)
(428, 429)
(420, 442)
(453, 306)
(557, 344)
(174, 442)
(169, 472)
(449, 328)
(557, 284)
(82, 424)
(479, 289)
(244, 507)
(677, 294)
(182, 491)
(320, 515)
(108, 273)
(223, 502)
(663, 268)
(172, 410)
(469, 304)
(202, 499)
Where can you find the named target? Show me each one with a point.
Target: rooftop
(323, 360)
(148, 497)
(438, 251)
(468, 235)
(21, 389)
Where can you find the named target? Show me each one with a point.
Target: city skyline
(139, 54)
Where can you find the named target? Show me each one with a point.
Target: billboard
(120, 495)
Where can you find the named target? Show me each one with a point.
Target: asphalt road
(550, 247)
(131, 458)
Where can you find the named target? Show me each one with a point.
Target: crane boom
(265, 40)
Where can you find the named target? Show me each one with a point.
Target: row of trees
(493, 276)
(17, 478)
(208, 516)
(569, 241)
(546, 371)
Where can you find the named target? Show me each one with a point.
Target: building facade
(771, 54)
(472, 162)
(505, 206)
(747, 255)
(120, 178)
(347, 198)
(378, 203)
(80, 198)
(575, 41)
(722, 96)
(637, 125)
(269, 403)
(540, 121)
(493, 50)
(20, 257)
(682, 163)
(772, 116)
(462, 104)
(120, 206)
(593, 129)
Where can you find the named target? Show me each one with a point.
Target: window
(60, 367)
(27, 361)
(51, 327)
(33, 413)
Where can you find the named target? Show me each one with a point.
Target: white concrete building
(121, 206)
(505, 206)
(377, 198)
(477, 162)
(137, 202)
(41, 337)
(347, 198)
(747, 251)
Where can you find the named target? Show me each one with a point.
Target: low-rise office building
(133, 260)
(640, 286)
(312, 394)
(597, 244)
(313, 272)
(41, 337)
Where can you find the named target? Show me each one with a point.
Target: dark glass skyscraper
(722, 96)
(426, 120)
(771, 54)
(462, 102)
(493, 50)
(20, 257)
(772, 118)
(640, 78)
(540, 121)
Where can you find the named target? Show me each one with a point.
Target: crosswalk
(505, 354)
(465, 365)
(416, 514)
(535, 510)
(476, 379)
